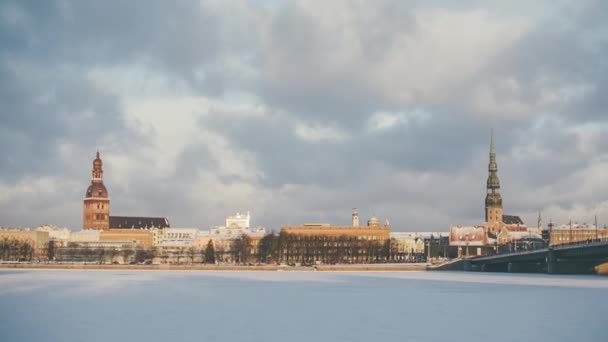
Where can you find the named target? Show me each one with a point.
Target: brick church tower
(494, 217)
(96, 213)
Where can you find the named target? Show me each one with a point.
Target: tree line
(271, 249)
(12, 249)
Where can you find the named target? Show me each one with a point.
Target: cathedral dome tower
(96, 213)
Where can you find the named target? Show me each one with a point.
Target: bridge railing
(516, 246)
(519, 246)
(601, 240)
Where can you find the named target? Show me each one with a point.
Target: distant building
(575, 232)
(238, 221)
(55, 233)
(418, 246)
(141, 237)
(373, 231)
(236, 226)
(96, 213)
(483, 239)
(88, 235)
(178, 237)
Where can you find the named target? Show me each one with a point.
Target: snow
(68, 305)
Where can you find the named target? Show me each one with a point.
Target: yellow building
(570, 233)
(141, 236)
(373, 231)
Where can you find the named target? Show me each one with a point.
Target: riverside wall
(165, 267)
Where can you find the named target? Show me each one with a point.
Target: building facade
(141, 237)
(575, 232)
(374, 230)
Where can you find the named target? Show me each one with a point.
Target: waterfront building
(97, 245)
(140, 237)
(483, 239)
(225, 238)
(238, 221)
(96, 209)
(85, 235)
(471, 240)
(236, 226)
(575, 232)
(374, 230)
(178, 237)
(323, 243)
(58, 237)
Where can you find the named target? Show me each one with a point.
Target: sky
(299, 111)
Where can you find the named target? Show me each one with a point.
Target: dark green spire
(493, 181)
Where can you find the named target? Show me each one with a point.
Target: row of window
(98, 205)
(96, 217)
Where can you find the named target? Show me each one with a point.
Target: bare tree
(191, 252)
(126, 254)
(101, 255)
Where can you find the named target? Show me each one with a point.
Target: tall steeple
(493, 181)
(493, 198)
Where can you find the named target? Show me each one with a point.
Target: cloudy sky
(301, 110)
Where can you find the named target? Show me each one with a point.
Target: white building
(55, 233)
(236, 225)
(177, 237)
(87, 235)
(238, 221)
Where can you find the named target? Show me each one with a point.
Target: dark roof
(134, 222)
(96, 190)
(512, 219)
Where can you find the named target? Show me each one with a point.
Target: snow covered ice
(165, 306)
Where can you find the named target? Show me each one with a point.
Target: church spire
(493, 182)
(493, 198)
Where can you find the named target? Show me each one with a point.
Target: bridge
(576, 258)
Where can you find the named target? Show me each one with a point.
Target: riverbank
(165, 267)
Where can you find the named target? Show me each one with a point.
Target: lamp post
(595, 227)
(550, 231)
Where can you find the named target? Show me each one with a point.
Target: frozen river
(300, 306)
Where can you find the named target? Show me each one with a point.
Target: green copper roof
(493, 183)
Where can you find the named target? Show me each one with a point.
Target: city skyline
(267, 107)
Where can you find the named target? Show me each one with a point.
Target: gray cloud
(385, 106)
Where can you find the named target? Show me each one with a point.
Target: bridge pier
(524, 267)
(551, 260)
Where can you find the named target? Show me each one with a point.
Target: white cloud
(319, 133)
